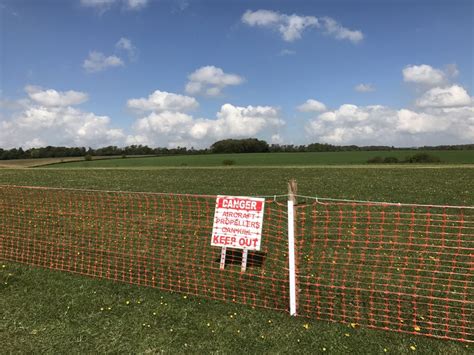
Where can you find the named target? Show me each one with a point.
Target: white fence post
(292, 187)
(291, 258)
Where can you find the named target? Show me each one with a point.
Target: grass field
(266, 159)
(74, 313)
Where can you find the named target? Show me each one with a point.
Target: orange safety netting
(148, 239)
(406, 268)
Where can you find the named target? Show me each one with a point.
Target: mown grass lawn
(48, 311)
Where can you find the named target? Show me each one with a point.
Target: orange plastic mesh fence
(156, 240)
(405, 268)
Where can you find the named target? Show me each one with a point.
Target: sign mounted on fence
(238, 222)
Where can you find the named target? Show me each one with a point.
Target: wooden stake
(293, 191)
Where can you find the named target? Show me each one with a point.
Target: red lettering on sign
(240, 204)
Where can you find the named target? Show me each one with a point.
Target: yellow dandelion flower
(324, 349)
(269, 321)
(413, 347)
(417, 328)
(347, 334)
(101, 308)
(208, 324)
(353, 325)
(385, 350)
(154, 313)
(127, 302)
(306, 326)
(238, 330)
(185, 297)
(262, 336)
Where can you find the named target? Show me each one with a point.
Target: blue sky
(167, 73)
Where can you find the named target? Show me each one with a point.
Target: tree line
(248, 145)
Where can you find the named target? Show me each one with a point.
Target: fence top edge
(274, 197)
(382, 203)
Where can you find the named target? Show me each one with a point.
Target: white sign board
(238, 222)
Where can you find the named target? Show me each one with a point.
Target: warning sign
(238, 222)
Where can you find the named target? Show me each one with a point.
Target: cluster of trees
(248, 145)
(324, 147)
(62, 152)
(46, 152)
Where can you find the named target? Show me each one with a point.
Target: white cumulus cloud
(382, 125)
(291, 27)
(443, 114)
(312, 106)
(49, 118)
(244, 121)
(210, 80)
(160, 101)
(97, 61)
(423, 74)
(454, 95)
(52, 97)
(178, 128)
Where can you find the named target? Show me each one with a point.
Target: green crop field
(267, 159)
(47, 311)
